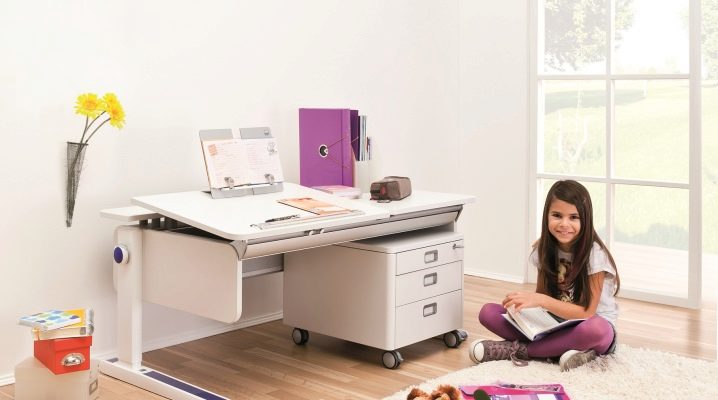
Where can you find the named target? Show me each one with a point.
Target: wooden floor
(262, 362)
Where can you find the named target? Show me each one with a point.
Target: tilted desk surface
(232, 218)
(154, 252)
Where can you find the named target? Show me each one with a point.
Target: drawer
(431, 256)
(428, 282)
(428, 318)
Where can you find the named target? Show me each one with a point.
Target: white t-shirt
(597, 262)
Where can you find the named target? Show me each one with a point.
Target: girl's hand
(523, 300)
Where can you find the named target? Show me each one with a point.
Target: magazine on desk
(319, 210)
(537, 322)
(315, 206)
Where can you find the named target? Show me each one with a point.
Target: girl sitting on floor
(577, 279)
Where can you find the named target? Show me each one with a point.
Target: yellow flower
(93, 108)
(114, 110)
(89, 105)
(110, 98)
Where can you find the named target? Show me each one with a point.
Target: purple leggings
(594, 333)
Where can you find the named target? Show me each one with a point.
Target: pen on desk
(282, 218)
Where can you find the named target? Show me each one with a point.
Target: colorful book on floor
(536, 322)
(514, 392)
(53, 319)
(85, 327)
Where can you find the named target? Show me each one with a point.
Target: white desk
(188, 251)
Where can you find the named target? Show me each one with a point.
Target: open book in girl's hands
(537, 322)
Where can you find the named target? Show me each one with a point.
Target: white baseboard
(172, 340)
(494, 275)
(8, 379)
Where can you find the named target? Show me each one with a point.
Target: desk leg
(129, 297)
(128, 365)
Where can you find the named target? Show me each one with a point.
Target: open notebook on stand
(238, 166)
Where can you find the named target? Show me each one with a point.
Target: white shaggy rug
(631, 373)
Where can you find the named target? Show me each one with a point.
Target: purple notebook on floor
(517, 392)
(325, 146)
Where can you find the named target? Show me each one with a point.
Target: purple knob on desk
(121, 255)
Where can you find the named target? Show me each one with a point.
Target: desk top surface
(235, 218)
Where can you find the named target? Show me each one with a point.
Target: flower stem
(88, 126)
(84, 131)
(98, 127)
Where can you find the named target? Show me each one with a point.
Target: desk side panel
(193, 274)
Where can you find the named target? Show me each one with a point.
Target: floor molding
(493, 275)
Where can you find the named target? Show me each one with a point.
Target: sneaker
(575, 358)
(492, 350)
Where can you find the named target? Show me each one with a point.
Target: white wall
(443, 85)
(494, 149)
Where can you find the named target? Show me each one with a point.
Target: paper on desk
(315, 206)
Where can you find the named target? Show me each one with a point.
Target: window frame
(536, 112)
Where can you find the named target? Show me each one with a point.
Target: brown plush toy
(442, 392)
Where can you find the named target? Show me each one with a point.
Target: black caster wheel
(300, 336)
(454, 338)
(462, 334)
(391, 359)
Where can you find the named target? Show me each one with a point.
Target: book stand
(242, 190)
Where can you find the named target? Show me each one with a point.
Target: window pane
(575, 36)
(598, 200)
(651, 239)
(651, 123)
(574, 134)
(653, 38)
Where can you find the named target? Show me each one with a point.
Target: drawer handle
(431, 256)
(429, 309)
(73, 359)
(430, 279)
(457, 246)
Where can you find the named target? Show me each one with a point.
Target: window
(616, 105)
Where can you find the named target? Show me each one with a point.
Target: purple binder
(325, 147)
(354, 117)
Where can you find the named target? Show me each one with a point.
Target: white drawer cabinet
(386, 292)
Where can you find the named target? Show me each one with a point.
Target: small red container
(64, 355)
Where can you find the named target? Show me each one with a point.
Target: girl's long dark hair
(547, 246)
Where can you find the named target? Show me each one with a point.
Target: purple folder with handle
(325, 146)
